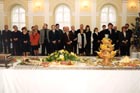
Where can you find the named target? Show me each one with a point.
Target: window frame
(19, 21)
(109, 7)
(63, 22)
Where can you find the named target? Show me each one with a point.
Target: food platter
(6, 59)
(63, 59)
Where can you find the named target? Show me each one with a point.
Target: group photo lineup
(83, 41)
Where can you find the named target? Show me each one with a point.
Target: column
(30, 13)
(46, 11)
(124, 11)
(138, 5)
(93, 13)
(93, 18)
(77, 13)
(1, 14)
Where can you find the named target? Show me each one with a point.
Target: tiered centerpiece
(106, 51)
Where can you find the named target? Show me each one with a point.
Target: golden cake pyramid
(106, 51)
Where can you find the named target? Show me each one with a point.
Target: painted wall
(81, 11)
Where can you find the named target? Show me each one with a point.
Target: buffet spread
(62, 59)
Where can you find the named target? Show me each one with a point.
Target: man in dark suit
(6, 37)
(44, 40)
(54, 39)
(101, 34)
(124, 40)
(1, 47)
(68, 38)
(109, 32)
(129, 32)
(74, 41)
(60, 42)
(116, 39)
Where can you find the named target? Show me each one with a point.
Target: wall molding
(46, 14)
(138, 5)
(124, 11)
(2, 15)
(30, 13)
(77, 12)
(85, 14)
(93, 12)
(132, 14)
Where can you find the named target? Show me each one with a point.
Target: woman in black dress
(88, 38)
(25, 40)
(96, 41)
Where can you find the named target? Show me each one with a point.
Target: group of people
(79, 41)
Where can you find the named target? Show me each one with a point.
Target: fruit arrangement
(62, 56)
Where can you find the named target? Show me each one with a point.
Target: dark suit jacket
(16, 35)
(88, 37)
(102, 34)
(116, 39)
(74, 36)
(67, 39)
(61, 44)
(25, 37)
(111, 35)
(78, 31)
(96, 37)
(122, 38)
(116, 35)
(54, 36)
(60, 34)
(0, 36)
(0, 41)
(6, 35)
(129, 31)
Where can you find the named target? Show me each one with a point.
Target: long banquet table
(72, 80)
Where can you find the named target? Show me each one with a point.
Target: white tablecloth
(69, 81)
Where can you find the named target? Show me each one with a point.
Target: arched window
(18, 16)
(62, 16)
(108, 15)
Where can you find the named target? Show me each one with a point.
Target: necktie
(48, 36)
(45, 33)
(68, 36)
